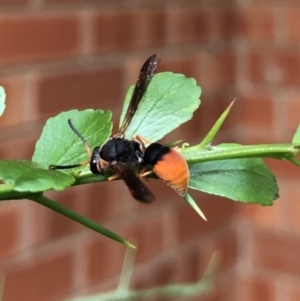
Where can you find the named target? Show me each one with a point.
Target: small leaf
(296, 137)
(2, 100)
(27, 176)
(59, 145)
(170, 100)
(247, 180)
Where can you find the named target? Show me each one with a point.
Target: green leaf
(27, 176)
(296, 137)
(2, 100)
(59, 145)
(246, 180)
(170, 100)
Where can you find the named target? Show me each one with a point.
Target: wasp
(126, 156)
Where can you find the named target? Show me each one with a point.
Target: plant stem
(7, 192)
(194, 154)
(182, 291)
(233, 151)
(41, 199)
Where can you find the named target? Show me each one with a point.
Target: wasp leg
(69, 166)
(144, 173)
(115, 176)
(142, 140)
(185, 144)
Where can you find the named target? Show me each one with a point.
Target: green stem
(222, 152)
(7, 192)
(178, 291)
(89, 177)
(194, 154)
(127, 271)
(294, 161)
(41, 199)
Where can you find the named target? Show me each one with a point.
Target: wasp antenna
(72, 126)
(52, 167)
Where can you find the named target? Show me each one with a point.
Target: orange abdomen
(173, 169)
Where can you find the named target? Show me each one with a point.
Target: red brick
(218, 4)
(189, 25)
(212, 106)
(103, 200)
(155, 273)
(104, 259)
(188, 65)
(224, 288)
(218, 69)
(248, 136)
(225, 24)
(274, 67)
(48, 225)
(13, 2)
(129, 29)
(293, 290)
(10, 228)
(15, 89)
(35, 37)
(293, 23)
(277, 252)
(255, 110)
(293, 109)
(217, 210)
(289, 191)
(40, 279)
(146, 232)
(18, 147)
(265, 216)
(277, 3)
(255, 287)
(257, 23)
(186, 266)
(223, 245)
(177, 266)
(59, 226)
(283, 169)
(79, 89)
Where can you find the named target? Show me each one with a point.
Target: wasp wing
(136, 187)
(140, 88)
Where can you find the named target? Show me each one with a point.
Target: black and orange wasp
(120, 154)
(125, 156)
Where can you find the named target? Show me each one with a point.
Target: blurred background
(58, 55)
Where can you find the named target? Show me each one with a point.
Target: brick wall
(58, 55)
(268, 84)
